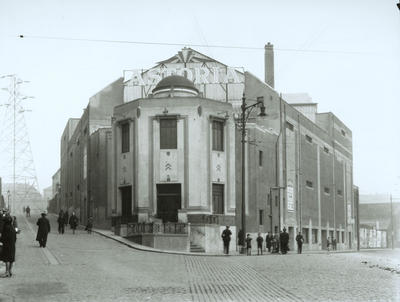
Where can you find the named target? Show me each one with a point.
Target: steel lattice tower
(17, 167)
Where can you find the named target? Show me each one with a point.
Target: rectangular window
(218, 136)
(309, 183)
(314, 235)
(326, 150)
(308, 138)
(327, 190)
(305, 235)
(343, 132)
(125, 137)
(339, 192)
(261, 216)
(289, 126)
(168, 134)
(218, 198)
(276, 201)
(260, 158)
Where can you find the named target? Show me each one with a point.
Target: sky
(345, 54)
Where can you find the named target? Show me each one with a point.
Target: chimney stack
(269, 64)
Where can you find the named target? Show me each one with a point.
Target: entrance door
(126, 203)
(324, 239)
(168, 202)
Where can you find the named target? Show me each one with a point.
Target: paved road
(85, 267)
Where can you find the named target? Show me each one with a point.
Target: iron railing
(157, 228)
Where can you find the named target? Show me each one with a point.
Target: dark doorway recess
(168, 202)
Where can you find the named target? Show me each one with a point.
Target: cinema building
(177, 159)
(170, 173)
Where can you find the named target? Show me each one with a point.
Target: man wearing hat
(226, 238)
(284, 240)
(43, 229)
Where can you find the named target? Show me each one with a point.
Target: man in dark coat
(226, 238)
(268, 241)
(66, 217)
(28, 211)
(43, 229)
(61, 222)
(240, 239)
(260, 241)
(299, 240)
(73, 222)
(8, 238)
(284, 240)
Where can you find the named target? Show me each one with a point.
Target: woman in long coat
(73, 222)
(8, 238)
(43, 230)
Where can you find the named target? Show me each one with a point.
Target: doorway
(126, 203)
(168, 202)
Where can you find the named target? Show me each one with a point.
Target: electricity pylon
(16, 162)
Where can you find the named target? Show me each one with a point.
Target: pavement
(92, 267)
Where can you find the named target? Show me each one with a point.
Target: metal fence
(157, 228)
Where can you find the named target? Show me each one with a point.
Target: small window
(326, 150)
(343, 132)
(314, 235)
(339, 192)
(308, 138)
(218, 136)
(168, 134)
(276, 201)
(70, 154)
(327, 190)
(289, 126)
(260, 158)
(78, 187)
(125, 137)
(261, 216)
(309, 184)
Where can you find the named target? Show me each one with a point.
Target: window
(343, 132)
(260, 158)
(339, 192)
(289, 126)
(314, 235)
(168, 134)
(309, 183)
(326, 150)
(327, 190)
(276, 201)
(305, 235)
(125, 137)
(261, 216)
(218, 198)
(308, 138)
(218, 136)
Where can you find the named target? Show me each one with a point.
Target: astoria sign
(198, 75)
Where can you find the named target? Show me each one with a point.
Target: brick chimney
(269, 64)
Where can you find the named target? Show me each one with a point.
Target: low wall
(170, 242)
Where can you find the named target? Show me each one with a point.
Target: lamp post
(244, 116)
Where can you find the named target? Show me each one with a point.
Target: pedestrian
(328, 244)
(28, 211)
(334, 244)
(268, 242)
(241, 241)
(15, 224)
(89, 225)
(61, 222)
(248, 244)
(43, 230)
(260, 241)
(299, 240)
(8, 239)
(284, 241)
(73, 222)
(226, 238)
(66, 217)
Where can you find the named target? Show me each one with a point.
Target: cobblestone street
(85, 267)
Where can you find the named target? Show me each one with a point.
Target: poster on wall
(290, 197)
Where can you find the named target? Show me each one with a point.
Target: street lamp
(245, 108)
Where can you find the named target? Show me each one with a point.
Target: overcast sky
(357, 76)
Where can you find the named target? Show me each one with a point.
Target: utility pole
(391, 220)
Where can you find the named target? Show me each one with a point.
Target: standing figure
(73, 222)
(334, 244)
(248, 244)
(328, 243)
(89, 225)
(299, 240)
(260, 241)
(66, 217)
(284, 241)
(268, 242)
(226, 238)
(28, 211)
(241, 241)
(8, 238)
(61, 222)
(43, 230)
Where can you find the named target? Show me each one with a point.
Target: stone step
(194, 248)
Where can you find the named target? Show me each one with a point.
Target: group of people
(8, 238)
(64, 219)
(273, 242)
